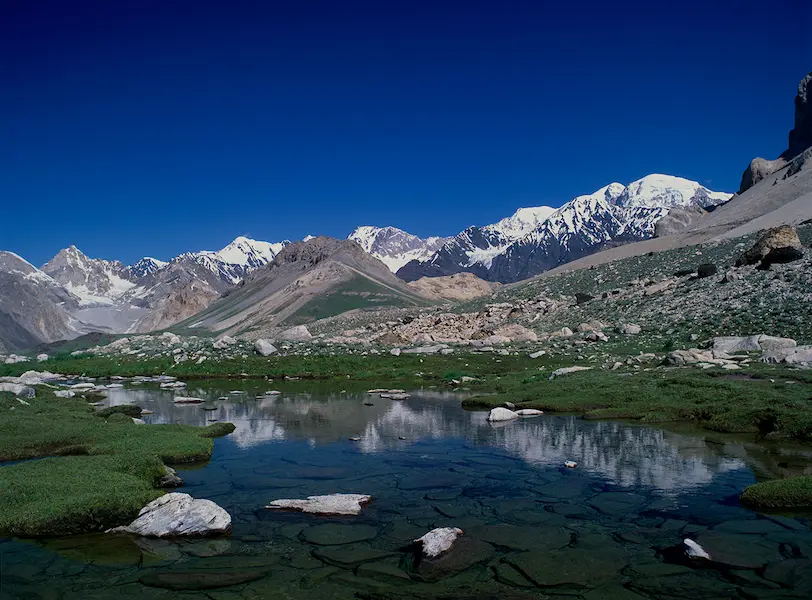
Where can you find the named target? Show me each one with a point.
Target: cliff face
(800, 139)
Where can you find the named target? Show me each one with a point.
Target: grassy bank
(98, 471)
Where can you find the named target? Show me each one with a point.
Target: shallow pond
(533, 529)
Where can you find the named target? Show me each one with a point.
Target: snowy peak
(522, 222)
(237, 259)
(146, 266)
(394, 247)
(93, 280)
(667, 191)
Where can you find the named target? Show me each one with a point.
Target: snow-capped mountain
(33, 307)
(667, 191)
(473, 249)
(535, 240)
(236, 260)
(146, 266)
(394, 247)
(92, 280)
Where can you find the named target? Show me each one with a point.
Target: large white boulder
(439, 540)
(178, 514)
(332, 504)
(502, 414)
(264, 347)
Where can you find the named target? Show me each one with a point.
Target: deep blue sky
(139, 127)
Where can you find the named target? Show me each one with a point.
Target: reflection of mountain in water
(623, 454)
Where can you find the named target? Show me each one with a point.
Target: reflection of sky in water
(623, 454)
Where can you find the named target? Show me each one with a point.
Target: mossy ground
(791, 493)
(98, 471)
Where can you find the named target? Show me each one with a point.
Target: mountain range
(82, 294)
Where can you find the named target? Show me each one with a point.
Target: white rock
(299, 333)
(439, 540)
(567, 371)
(529, 412)
(18, 389)
(395, 351)
(564, 332)
(138, 421)
(694, 550)
(82, 386)
(35, 377)
(332, 504)
(502, 414)
(42, 357)
(187, 400)
(64, 394)
(630, 329)
(178, 514)
(537, 354)
(264, 347)
(425, 349)
(570, 464)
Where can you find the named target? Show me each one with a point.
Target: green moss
(131, 410)
(794, 492)
(217, 430)
(105, 471)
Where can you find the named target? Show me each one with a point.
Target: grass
(701, 397)
(790, 493)
(99, 470)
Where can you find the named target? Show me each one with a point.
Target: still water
(533, 529)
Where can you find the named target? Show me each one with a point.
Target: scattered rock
(529, 412)
(299, 333)
(170, 478)
(42, 357)
(630, 329)
(537, 354)
(177, 514)
(567, 371)
(332, 504)
(706, 270)
(425, 349)
(264, 347)
(439, 540)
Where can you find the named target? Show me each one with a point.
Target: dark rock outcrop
(800, 138)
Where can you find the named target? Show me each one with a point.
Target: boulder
(780, 244)
(751, 343)
(42, 357)
(177, 514)
(395, 351)
(706, 270)
(794, 356)
(264, 347)
(537, 354)
(438, 540)
(758, 169)
(19, 390)
(564, 332)
(502, 414)
(299, 333)
(630, 329)
(596, 336)
(170, 478)
(567, 371)
(425, 349)
(694, 550)
(529, 412)
(332, 504)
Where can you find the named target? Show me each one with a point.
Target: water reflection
(619, 453)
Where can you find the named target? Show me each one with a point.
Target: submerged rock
(332, 504)
(439, 540)
(177, 514)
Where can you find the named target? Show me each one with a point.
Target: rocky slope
(394, 247)
(33, 307)
(305, 281)
(461, 286)
(534, 240)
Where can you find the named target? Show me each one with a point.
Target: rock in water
(333, 504)
(264, 347)
(694, 550)
(502, 414)
(529, 412)
(439, 540)
(178, 514)
(778, 245)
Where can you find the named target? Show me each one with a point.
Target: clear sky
(134, 128)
